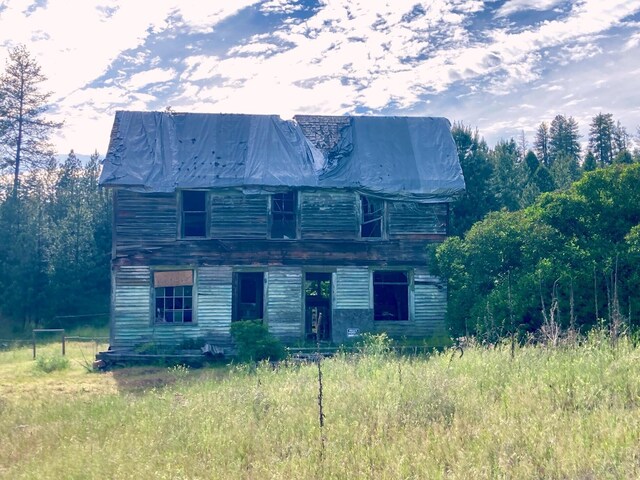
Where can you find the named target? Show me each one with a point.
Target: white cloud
(513, 6)
(148, 77)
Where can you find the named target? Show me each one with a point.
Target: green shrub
(254, 342)
(50, 363)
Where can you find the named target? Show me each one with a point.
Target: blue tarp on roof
(391, 157)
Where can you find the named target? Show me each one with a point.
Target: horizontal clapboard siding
(328, 215)
(144, 219)
(214, 303)
(236, 215)
(430, 302)
(416, 218)
(131, 307)
(284, 302)
(352, 288)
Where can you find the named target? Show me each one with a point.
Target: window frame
(409, 286)
(181, 214)
(194, 296)
(236, 294)
(296, 214)
(361, 218)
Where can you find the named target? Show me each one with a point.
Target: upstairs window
(390, 296)
(194, 214)
(173, 296)
(284, 215)
(372, 217)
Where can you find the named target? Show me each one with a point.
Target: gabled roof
(393, 157)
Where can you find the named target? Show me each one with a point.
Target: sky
(501, 66)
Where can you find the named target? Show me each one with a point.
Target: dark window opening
(173, 296)
(248, 294)
(283, 215)
(372, 213)
(390, 296)
(194, 213)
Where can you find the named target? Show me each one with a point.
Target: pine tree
(24, 132)
(478, 198)
(509, 175)
(589, 164)
(564, 139)
(541, 144)
(601, 138)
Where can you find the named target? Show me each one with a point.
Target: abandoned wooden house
(317, 226)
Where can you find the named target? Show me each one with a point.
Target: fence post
(63, 339)
(33, 340)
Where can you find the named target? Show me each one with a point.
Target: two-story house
(316, 226)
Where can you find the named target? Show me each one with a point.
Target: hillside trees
(54, 220)
(57, 262)
(580, 243)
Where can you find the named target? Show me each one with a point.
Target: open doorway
(317, 301)
(248, 295)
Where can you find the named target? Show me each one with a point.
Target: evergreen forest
(545, 238)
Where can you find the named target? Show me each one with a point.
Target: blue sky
(502, 66)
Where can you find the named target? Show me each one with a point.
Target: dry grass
(571, 412)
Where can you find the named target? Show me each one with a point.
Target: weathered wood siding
(213, 311)
(235, 215)
(416, 218)
(144, 220)
(352, 288)
(430, 303)
(131, 307)
(328, 214)
(284, 302)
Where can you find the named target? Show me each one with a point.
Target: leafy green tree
(24, 132)
(575, 246)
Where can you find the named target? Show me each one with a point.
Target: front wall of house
(147, 240)
(134, 323)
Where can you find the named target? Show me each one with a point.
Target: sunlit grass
(571, 412)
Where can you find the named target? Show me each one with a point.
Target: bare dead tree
(550, 328)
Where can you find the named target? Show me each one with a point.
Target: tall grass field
(568, 412)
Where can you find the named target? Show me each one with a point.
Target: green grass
(571, 412)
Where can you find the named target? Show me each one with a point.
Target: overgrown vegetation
(572, 257)
(48, 363)
(254, 342)
(567, 412)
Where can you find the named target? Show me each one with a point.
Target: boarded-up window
(194, 213)
(173, 296)
(390, 296)
(372, 215)
(284, 215)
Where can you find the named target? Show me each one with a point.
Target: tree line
(547, 234)
(55, 220)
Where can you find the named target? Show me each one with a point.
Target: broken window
(194, 213)
(284, 215)
(390, 296)
(248, 294)
(372, 214)
(173, 296)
